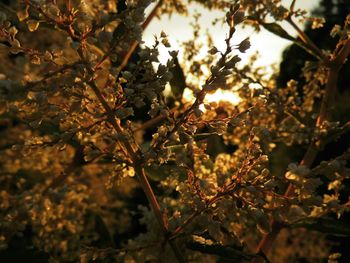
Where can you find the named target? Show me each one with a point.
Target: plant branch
(334, 66)
(133, 45)
(292, 5)
(132, 150)
(136, 159)
(307, 40)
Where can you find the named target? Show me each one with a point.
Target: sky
(178, 29)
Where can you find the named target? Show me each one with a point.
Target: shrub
(86, 124)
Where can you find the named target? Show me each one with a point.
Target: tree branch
(334, 65)
(126, 56)
(307, 40)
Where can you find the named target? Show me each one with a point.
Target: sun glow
(223, 95)
(219, 95)
(179, 29)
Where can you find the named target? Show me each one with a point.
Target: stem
(292, 5)
(177, 110)
(334, 69)
(307, 40)
(151, 197)
(136, 160)
(331, 85)
(334, 65)
(113, 121)
(69, 5)
(152, 15)
(189, 220)
(134, 45)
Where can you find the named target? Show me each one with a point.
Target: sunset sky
(178, 28)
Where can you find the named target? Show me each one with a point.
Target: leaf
(325, 225)
(278, 30)
(75, 107)
(178, 81)
(35, 123)
(23, 14)
(244, 45)
(32, 25)
(215, 145)
(105, 238)
(203, 136)
(121, 6)
(161, 172)
(262, 221)
(228, 252)
(119, 32)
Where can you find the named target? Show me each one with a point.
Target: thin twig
(292, 5)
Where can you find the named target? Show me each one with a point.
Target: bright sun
(224, 95)
(218, 95)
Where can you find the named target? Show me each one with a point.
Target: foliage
(86, 125)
